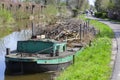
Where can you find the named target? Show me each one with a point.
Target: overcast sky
(91, 2)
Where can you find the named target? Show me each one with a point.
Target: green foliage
(102, 5)
(93, 62)
(98, 14)
(6, 16)
(75, 12)
(82, 16)
(5, 30)
(111, 5)
(83, 4)
(77, 5)
(101, 15)
(104, 15)
(97, 5)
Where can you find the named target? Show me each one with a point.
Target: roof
(47, 40)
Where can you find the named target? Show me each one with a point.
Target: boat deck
(70, 51)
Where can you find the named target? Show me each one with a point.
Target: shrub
(104, 15)
(98, 14)
(101, 14)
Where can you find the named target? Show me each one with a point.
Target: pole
(73, 59)
(80, 32)
(33, 6)
(32, 28)
(7, 51)
(33, 36)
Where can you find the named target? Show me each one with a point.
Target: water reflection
(2, 67)
(41, 76)
(10, 41)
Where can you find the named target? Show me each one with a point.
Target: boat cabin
(41, 47)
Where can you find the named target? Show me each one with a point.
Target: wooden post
(88, 23)
(33, 6)
(27, 8)
(32, 28)
(19, 6)
(45, 3)
(7, 51)
(80, 32)
(83, 30)
(11, 7)
(90, 43)
(33, 35)
(85, 27)
(73, 59)
(3, 6)
(42, 9)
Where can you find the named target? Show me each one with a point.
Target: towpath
(115, 26)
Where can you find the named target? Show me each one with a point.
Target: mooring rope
(43, 50)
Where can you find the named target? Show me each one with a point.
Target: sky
(91, 2)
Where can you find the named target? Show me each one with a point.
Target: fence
(20, 10)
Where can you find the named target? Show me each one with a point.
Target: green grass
(5, 17)
(105, 31)
(94, 62)
(5, 31)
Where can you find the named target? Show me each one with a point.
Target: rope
(43, 50)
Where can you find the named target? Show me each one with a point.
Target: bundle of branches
(68, 30)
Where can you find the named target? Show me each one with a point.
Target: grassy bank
(6, 19)
(94, 62)
(20, 17)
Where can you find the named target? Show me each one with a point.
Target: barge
(36, 55)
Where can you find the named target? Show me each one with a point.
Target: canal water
(10, 41)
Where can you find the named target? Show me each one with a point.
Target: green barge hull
(39, 56)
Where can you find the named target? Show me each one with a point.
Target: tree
(78, 4)
(102, 5)
(112, 7)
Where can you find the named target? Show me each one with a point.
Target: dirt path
(115, 26)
